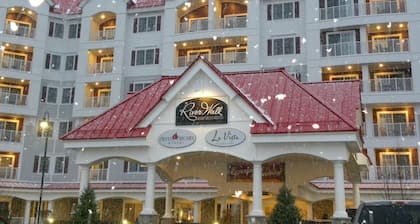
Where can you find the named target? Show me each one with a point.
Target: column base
(256, 219)
(165, 220)
(148, 219)
(341, 220)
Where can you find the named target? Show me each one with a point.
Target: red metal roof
(287, 105)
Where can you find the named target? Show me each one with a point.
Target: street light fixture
(44, 125)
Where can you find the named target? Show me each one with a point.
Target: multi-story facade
(76, 59)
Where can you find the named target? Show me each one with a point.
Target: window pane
(69, 62)
(151, 23)
(66, 95)
(288, 10)
(277, 11)
(289, 45)
(59, 165)
(73, 31)
(142, 24)
(150, 56)
(58, 32)
(140, 57)
(278, 47)
(55, 62)
(52, 95)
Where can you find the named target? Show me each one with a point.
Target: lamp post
(44, 125)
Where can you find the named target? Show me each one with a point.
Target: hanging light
(35, 3)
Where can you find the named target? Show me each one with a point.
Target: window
(147, 24)
(38, 164)
(71, 62)
(49, 131)
(49, 94)
(65, 127)
(137, 86)
(283, 46)
(68, 96)
(61, 164)
(145, 57)
(52, 61)
(341, 43)
(9, 130)
(56, 30)
(74, 31)
(134, 167)
(287, 10)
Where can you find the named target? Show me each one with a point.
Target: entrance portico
(250, 131)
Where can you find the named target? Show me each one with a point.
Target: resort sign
(201, 111)
(177, 138)
(225, 137)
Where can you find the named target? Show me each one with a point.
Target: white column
(363, 40)
(211, 14)
(253, 26)
(150, 191)
(84, 177)
(257, 190)
(365, 78)
(3, 13)
(197, 206)
(356, 195)
(27, 215)
(168, 200)
(340, 198)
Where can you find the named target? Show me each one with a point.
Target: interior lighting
(13, 9)
(329, 68)
(227, 40)
(13, 26)
(35, 3)
(378, 27)
(30, 12)
(184, 44)
(2, 78)
(96, 83)
(246, 1)
(201, 42)
(401, 25)
(103, 16)
(25, 47)
(349, 67)
(22, 80)
(100, 51)
(184, 8)
(381, 65)
(178, 157)
(187, 4)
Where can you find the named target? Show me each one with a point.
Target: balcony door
(391, 81)
(381, 6)
(10, 94)
(393, 123)
(103, 97)
(106, 64)
(341, 43)
(339, 8)
(6, 166)
(14, 60)
(8, 129)
(23, 28)
(232, 55)
(396, 165)
(387, 43)
(193, 54)
(99, 171)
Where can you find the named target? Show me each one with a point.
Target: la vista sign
(201, 111)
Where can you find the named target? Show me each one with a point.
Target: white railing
(98, 174)
(394, 129)
(216, 58)
(7, 135)
(334, 12)
(97, 101)
(391, 84)
(232, 22)
(15, 64)
(22, 31)
(8, 173)
(104, 35)
(397, 173)
(104, 67)
(193, 25)
(385, 7)
(340, 49)
(388, 45)
(12, 98)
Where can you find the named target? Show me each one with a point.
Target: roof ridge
(325, 104)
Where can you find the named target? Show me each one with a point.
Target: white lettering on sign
(224, 137)
(205, 110)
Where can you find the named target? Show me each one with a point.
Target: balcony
(13, 63)
(232, 22)
(8, 173)
(97, 101)
(393, 173)
(97, 175)
(215, 58)
(12, 98)
(108, 34)
(98, 68)
(391, 84)
(8, 135)
(334, 12)
(394, 129)
(388, 45)
(385, 7)
(340, 49)
(193, 25)
(15, 29)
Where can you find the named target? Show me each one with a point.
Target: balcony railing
(232, 22)
(340, 49)
(97, 101)
(394, 129)
(15, 64)
(104, 35)
(385, 7)
(216, 58)
(22, 31)
(105, 67)
(98, 174)
(12, 98)
(391, 84)
(8, 173)
(334, 12)
(388, 45)
(193, 25)
(7, 135)
(393, 173)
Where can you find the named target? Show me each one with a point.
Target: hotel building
(77, 59)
